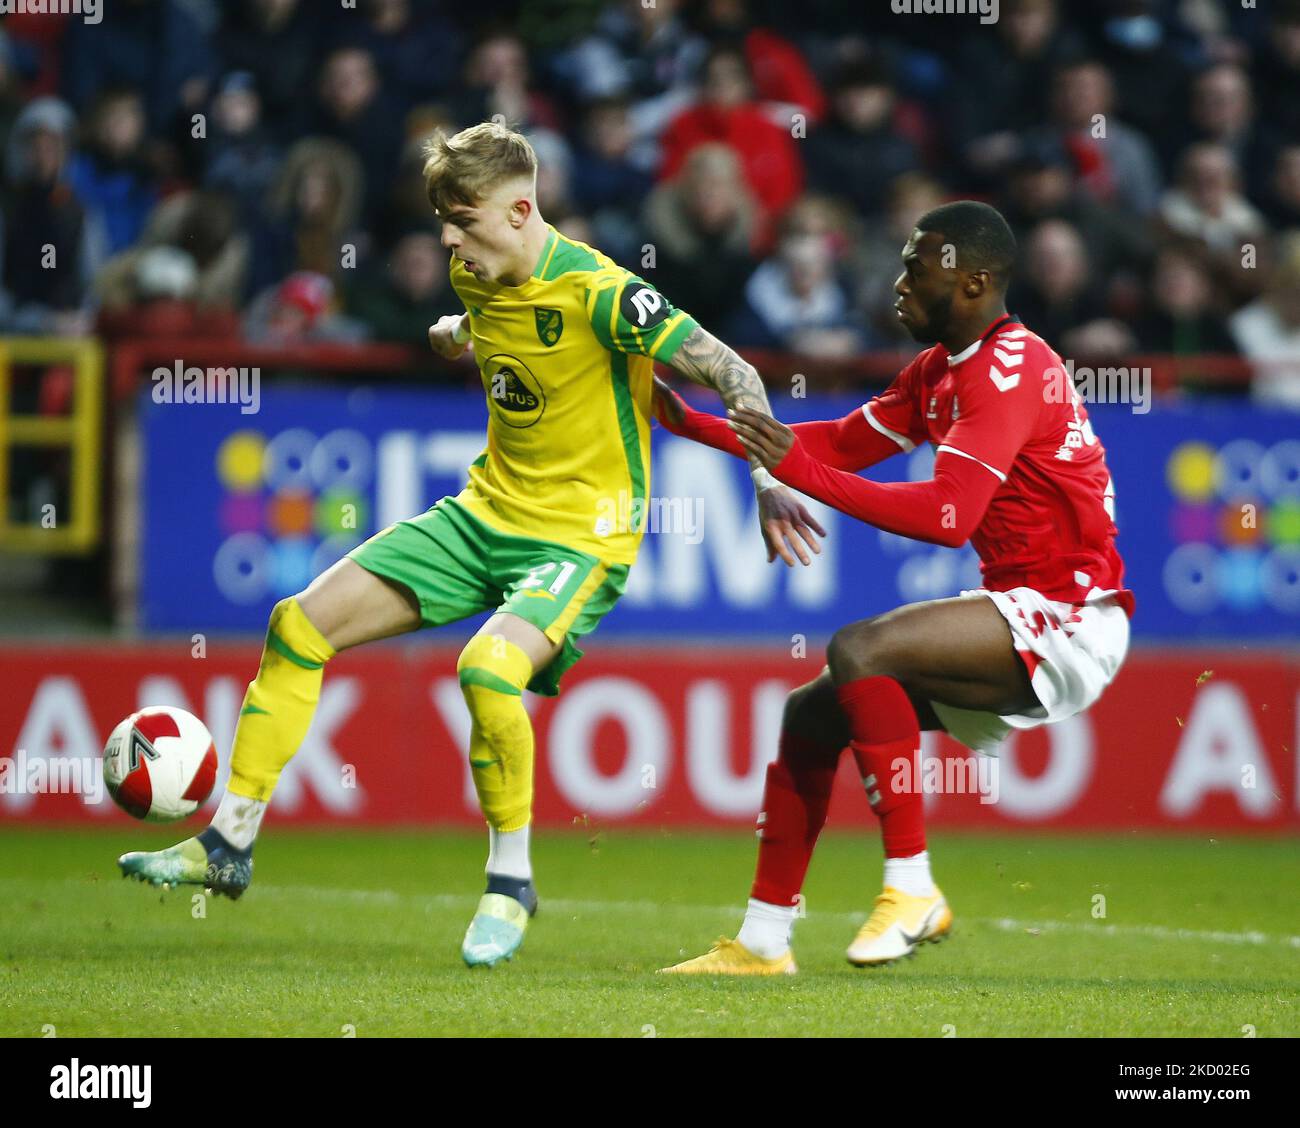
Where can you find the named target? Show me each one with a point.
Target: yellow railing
(79, 431)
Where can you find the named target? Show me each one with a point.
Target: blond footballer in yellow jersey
(567, 361)
(565, 342)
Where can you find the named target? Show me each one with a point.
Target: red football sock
(795, 801)
(885, 729)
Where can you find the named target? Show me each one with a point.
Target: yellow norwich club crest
(550, 324)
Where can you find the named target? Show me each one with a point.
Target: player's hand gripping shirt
(566, 360)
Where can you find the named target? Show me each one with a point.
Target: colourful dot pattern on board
(293, 504)
(1235, 524)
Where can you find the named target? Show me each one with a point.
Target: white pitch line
(1154, 931)
(554, 904)
(1004, 924)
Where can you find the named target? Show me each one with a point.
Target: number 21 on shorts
(538, 576)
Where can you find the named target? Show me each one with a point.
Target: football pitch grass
(359, 931)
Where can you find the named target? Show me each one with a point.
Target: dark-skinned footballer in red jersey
(1019, 472)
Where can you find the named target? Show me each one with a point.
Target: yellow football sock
(493, 673)
(280, 701)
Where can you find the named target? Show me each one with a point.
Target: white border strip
(944, 447)
(902, 440)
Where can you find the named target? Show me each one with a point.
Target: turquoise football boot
(500, 922)
(208, 860)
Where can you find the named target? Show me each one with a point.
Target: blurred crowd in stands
(253, 166)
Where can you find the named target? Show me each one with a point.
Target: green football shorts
(458, 566)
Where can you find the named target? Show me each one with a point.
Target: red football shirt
(1007, 404)
(1018, 470)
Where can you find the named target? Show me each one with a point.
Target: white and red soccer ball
(160, 764)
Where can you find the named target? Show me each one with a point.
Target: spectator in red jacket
(728, 113)
(781, 74)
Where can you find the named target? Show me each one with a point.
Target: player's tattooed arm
(787, 525)
(705, 360)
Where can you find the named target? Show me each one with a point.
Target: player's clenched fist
(449, 336)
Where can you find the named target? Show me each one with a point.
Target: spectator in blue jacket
(110, 175)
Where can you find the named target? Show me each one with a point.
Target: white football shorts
(1072, 650)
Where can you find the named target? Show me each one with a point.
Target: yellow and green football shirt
(566, 360)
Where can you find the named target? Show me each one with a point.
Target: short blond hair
(463, 169)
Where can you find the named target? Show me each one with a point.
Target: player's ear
(520, 210)
(976, 284)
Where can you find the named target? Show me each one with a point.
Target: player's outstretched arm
(704, 359)
(785, 521)
(848, 443)
(944, 510)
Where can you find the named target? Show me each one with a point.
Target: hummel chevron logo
(1011, 360)
(1003, 382)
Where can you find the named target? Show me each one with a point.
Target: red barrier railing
(130, 359)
